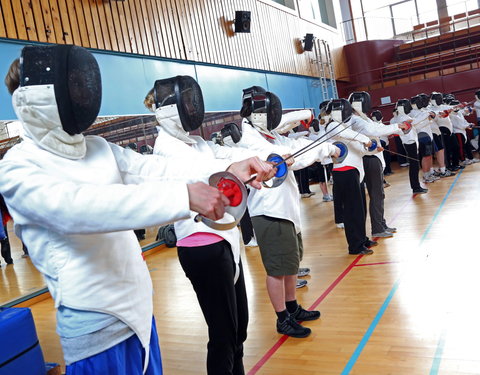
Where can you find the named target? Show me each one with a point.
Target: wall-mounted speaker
(242, 21)
(308, 42)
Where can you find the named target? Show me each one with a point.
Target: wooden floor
(411, 308)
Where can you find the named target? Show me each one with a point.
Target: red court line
(373, 264)
(284, 338)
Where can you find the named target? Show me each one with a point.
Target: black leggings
(211, 270)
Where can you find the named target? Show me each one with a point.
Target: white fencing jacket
(204, 152)
(441, 122)
(459, 123)
(411, 137)
(76, 217)
(354, 141)
(421, 122)
(282, 202)
(375, 130)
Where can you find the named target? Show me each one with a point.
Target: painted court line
(438, 354)
(374, 264)
(284, 338)
(356, 354)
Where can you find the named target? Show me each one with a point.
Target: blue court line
(356, 354)
(438, 354)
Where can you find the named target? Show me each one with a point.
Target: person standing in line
(275, 212)
(348, 174)
(409, 140)
(209, 257)
(373, 162)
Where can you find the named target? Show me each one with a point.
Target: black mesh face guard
(477, 94)
(417, 100)
(231, 130)
(455, 102)
(186, 94)
(405, 103)
(424, 99)
(323, 107)
(274, 111)
(437, 97)
(447, 98)
(340, 105)
(76, 79)
(362, 97)
(377, 116)
(254, 100)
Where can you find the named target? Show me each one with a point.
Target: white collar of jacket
(259, 122)
(169, 119)
(37, 108)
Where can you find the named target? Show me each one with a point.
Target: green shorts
(280, 246)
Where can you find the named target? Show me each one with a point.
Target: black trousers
(451, 148)
(349, 194)
(6, 249)
(374, 182)
(401, 150)
(302, 178)
(246, 227)
(414, 166)
(211, 270)
(387, 157)
(465, 148)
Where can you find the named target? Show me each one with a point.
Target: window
(318, 10)
(286, 3)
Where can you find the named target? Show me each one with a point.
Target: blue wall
(127, 78)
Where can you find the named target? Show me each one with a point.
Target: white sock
(442, 169)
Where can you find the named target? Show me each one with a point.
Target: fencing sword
(396, 153)
(317, 142)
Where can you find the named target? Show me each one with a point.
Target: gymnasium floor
(410, 308)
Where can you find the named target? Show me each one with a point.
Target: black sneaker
(302, 315)
(369, 243)
(420, 191)
(291, 328)
(364, 251)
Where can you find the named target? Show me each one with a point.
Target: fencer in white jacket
(275, 212)
(348, 173)
(74, 200)
(374, 163)
(442, 129)
(210, 258)
(422, 121)
(460, 125)
(409, 140)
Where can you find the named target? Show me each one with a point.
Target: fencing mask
(403, 105)
(262, 108)
(231, 130)
(425, 100)
(360, 101)
(416, 101)
(436, 98)
(75, 76)
(377, 116)
(185, 93)
(340, 110)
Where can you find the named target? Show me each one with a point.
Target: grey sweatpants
(374, 182)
